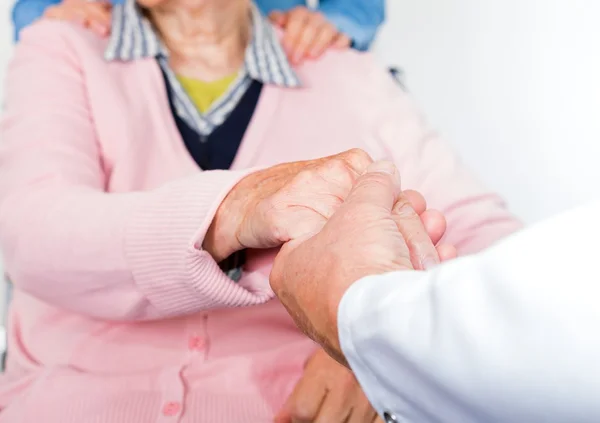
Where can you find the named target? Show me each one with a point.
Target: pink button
(171, 408)
(196, 343)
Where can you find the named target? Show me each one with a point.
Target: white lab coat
(511, 335)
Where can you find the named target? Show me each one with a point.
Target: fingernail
(385, 166)
(382, 166)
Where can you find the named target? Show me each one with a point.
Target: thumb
(379, 185)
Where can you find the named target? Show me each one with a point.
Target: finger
(362, 411)
(358, 160)
(304, 403)
(435, 224)
(62, 14)
(98, 28)
(77, 16)
(305, 40)
(52, 12)
(297, 20)
(417, 201)
(322, 40)
(334, 409)
(446, 252)
(379, 185)
(278, 18)
(422, 250)
(342, 41)
(99, 13)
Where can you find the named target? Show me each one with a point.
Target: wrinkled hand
(327, 393)
(375, 231)
(93, 15)
(288, 201)
(307, 33)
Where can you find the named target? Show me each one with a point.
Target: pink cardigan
(118, 315)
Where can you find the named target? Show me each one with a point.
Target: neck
(206, 42)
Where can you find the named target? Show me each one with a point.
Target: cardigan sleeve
(68, 242)
(476, 216)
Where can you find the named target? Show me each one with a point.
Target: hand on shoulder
(95, 15)
(307, 33)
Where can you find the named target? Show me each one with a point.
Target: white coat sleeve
(511, 335)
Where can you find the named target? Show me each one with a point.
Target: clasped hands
(339, 218)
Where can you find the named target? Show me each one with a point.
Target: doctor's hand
(376, 230)
(328, 392)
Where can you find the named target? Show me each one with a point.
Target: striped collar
(133, 38)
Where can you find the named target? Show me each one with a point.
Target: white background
(513, 84)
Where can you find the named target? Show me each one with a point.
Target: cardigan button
(390, 418)
(171, 408)
(196, 343)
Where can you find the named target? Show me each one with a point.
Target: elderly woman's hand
(328, 392)
(307, 33)
(95, 15)
(288, 201)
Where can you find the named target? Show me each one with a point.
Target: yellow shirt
(203, 93)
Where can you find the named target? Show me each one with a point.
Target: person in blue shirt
(307, 33)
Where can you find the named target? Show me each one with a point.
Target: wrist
(338, 279)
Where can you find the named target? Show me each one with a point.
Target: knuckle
(278, 230)
(275, 222)
(305, 177)
(336, 166)
(359, 159)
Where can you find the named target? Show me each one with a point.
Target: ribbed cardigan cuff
(161, 246)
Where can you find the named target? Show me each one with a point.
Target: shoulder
(59, 39)
(358, 85)
(350, 72)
